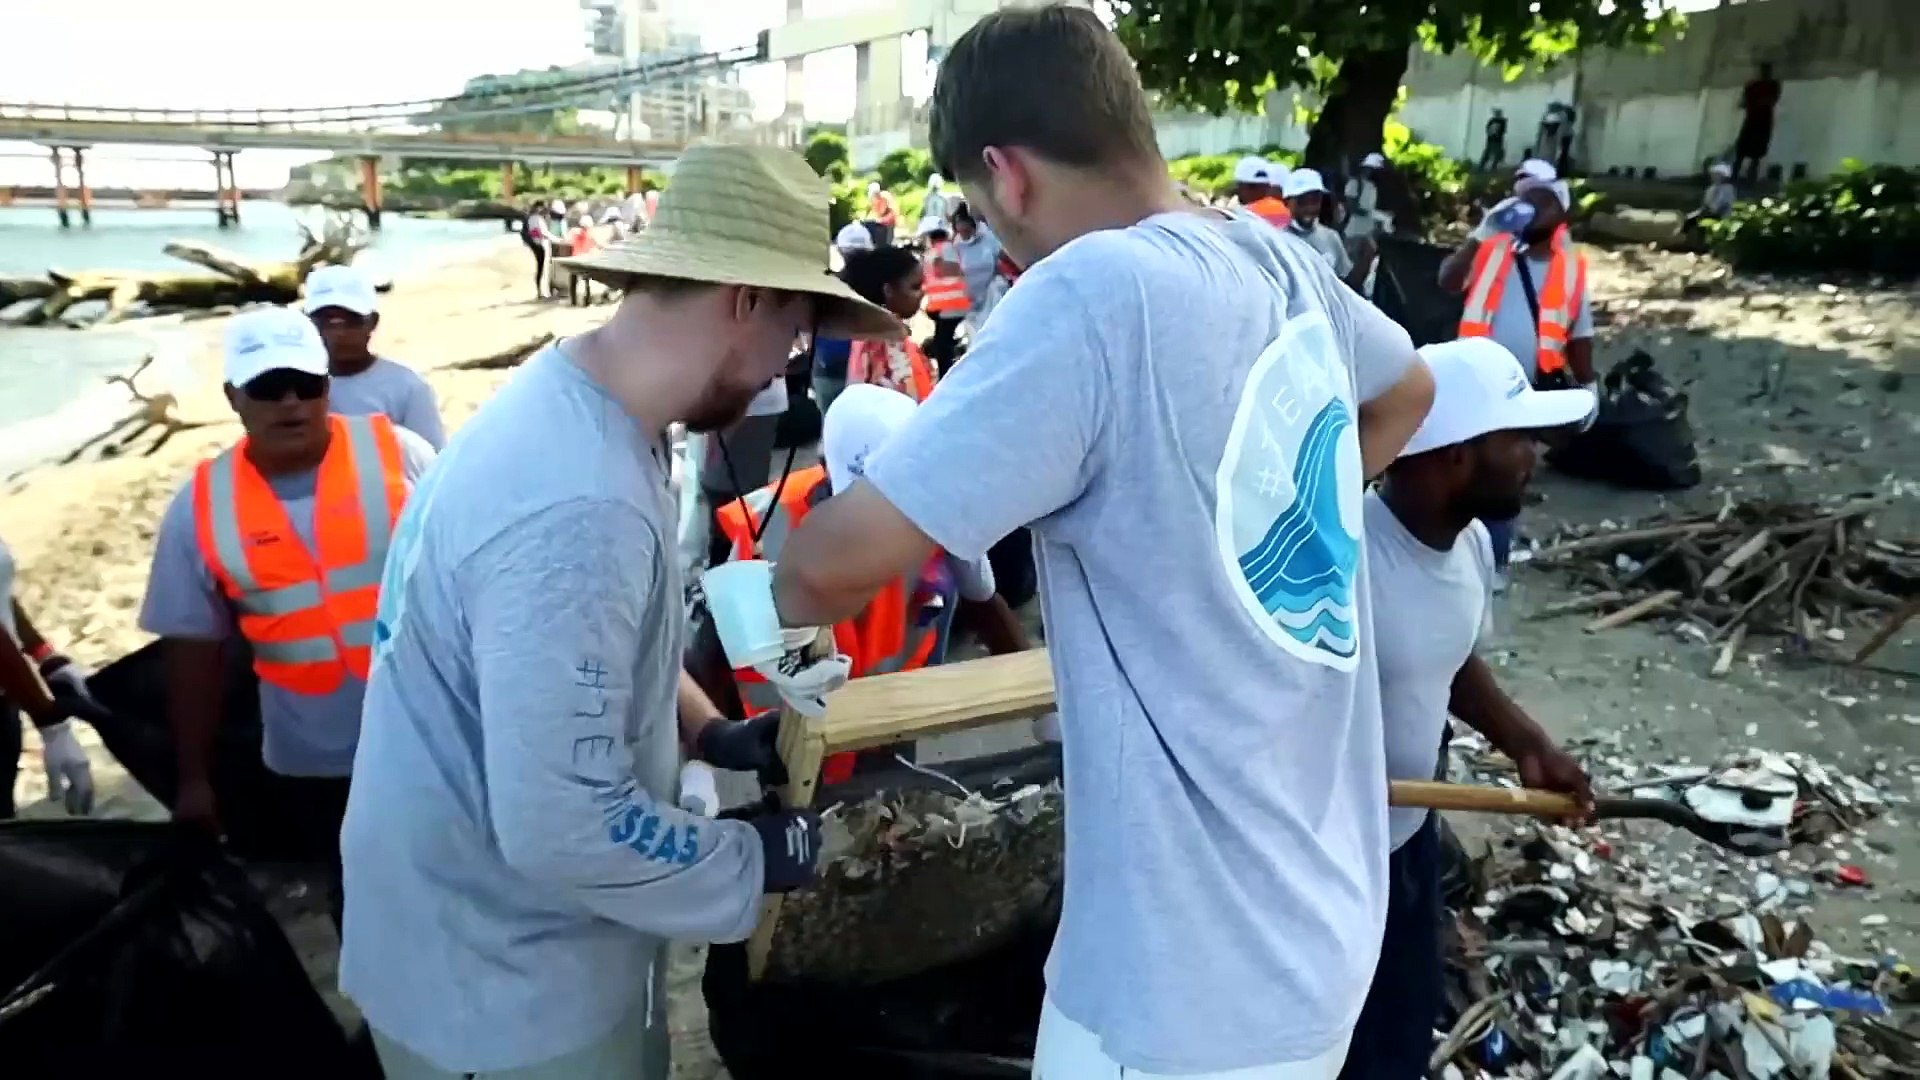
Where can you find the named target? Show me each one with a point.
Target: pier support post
(80, 181)
(60, 187)
(506, 181)
(633, 179)
(370, 190)
(226, 189)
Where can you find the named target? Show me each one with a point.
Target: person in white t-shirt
(1432, 567)
(344, 307)
(1306, 195)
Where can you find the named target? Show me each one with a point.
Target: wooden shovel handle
(1520, 802)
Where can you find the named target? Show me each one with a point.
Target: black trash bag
(1641, 439)
(135, 948)
(137, 733)
(1406, 287)
(974, 1018)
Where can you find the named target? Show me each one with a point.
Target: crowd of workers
(471, 653)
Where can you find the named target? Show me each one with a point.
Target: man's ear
(233, 396)
(373, 322)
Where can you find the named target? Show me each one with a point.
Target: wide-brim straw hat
(743, 215)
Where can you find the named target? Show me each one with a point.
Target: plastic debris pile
(1629, 949)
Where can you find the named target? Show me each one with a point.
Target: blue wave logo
(1288, 486)
(1301, 571)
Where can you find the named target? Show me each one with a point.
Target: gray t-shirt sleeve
(1008, 437)
(555, 609)
(183, 600)
(420, 413)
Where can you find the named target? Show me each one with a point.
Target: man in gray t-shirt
(516, 853)
(1183, 406)
(344, 307)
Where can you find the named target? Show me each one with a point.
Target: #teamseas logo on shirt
(1287, 522)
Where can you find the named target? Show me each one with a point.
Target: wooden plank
(1733, 560)
(1633, 611)
(938, 700)
(1893, 625)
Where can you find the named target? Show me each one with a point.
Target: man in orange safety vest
(904, 627)
(280, 541)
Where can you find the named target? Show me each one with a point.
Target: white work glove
(699, 793)
(803, 683)
(69, 773)
(1487, 230)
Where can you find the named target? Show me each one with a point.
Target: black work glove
(790, 841)
(745, 746)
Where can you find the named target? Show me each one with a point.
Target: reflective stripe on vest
(308, 614)
(943, 292)
(1560, 296)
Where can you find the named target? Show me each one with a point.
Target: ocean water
(52, 388)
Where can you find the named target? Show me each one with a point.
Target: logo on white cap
(271, 339)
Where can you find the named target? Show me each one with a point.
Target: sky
(244, 53)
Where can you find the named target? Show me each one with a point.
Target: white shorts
(1066, 1051)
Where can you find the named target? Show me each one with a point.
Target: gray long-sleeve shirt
(514, 856)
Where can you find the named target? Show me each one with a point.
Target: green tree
(1214, 55)
(828, 154)
(904, 167)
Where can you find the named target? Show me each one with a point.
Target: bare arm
(194, 686)
(846, 550)
(1388, 421)
(1455, 267)
(995, 624)
(1477, 699)
(20, 680)
(1580, 359)
(696, 710)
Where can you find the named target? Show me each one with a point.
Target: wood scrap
(1810, 571)
(1646, 605)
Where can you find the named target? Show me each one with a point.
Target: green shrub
(1212, 174)
(1437, 183)
(826, 150)
(904, 167)
(1863, 218)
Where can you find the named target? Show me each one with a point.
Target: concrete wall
(1849, 73)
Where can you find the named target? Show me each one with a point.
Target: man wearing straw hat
(1184, 406)
(515, 858)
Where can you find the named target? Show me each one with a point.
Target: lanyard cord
(757, 527)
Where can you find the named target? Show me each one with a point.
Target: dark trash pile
(1630, 950)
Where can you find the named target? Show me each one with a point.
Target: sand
(1845, 418)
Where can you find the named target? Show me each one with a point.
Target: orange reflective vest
(879, 640)
(308, 614)
(1273, 210)
(945, 293)
(1560, 295)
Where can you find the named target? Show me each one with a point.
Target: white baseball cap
(1536, 169)
(1478, 387)
(1252, 169)
(853, 236)
(342, 287)
(271, 339)
(860, 421)
(1719, 168)
(1374, 161)
(1302, 182)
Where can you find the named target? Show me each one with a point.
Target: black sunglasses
(333, 316)
(275, 385)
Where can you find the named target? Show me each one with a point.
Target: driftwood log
(234, 280)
